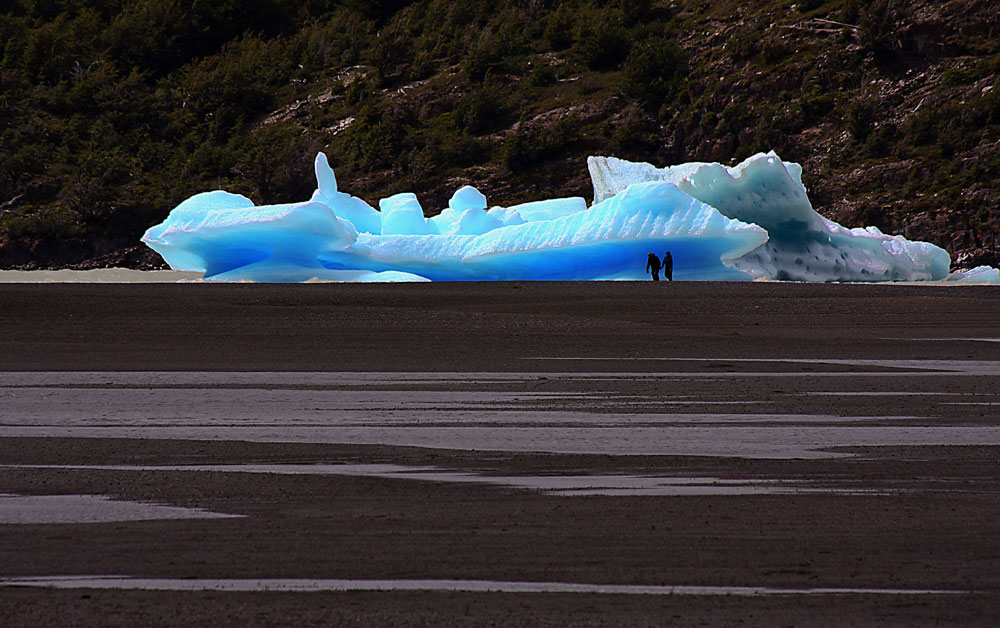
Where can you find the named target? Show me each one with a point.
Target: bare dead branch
(7, 204)
(851, 26)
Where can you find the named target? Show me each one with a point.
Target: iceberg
(402, 214)
(802, 245)
(753, 221)
(609, 240)
(360, 214)
(979, 274)
(220, 233)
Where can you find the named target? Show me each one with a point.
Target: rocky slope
(892, 107)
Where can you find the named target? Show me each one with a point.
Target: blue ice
(753, 221)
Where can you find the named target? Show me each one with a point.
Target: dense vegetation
(112, 111)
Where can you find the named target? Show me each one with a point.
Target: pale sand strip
(469, 586)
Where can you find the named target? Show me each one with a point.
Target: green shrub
(530, 145)
(774, 51)
(635, 10)
(850, 12)
(635, 136)
(483, 110)
(745, 42)
(817, 105)
(601, 41)
(923, 127)
(861, 118)
(880, 22)
(487, 55)
(559, 28)
(542, 76)
(378, 137)
(873, 214)
(881, 141)
(805, 6)
(277, 159)
(464, 151)
(392, 50)
(654, 71)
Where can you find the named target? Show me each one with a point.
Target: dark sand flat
(478, 326)
(878, 407)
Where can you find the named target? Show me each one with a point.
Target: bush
(745, 42)
(559, 28)
(861, 118)
(482, 110)
(530, 145)
(635, 135)
(817, 104)
(635, 10)
(378, 136)
(881, 141)
(879, 22)
(542, 76)
(486, 55)
(464, 151)
(654, 71)
(805, 6)
(923, 127)
(392, 50)
(277, 159)
(601, 41)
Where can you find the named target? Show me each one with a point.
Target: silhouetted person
(668, 266)
(653, 266)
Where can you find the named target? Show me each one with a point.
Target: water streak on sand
(909, 367)
(947, 339)
(524, 412)
(33, 509)
(561, 485)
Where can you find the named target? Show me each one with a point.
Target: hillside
(113, 111)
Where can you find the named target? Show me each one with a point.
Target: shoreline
(131, 276)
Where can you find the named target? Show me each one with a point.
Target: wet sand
(876, 407)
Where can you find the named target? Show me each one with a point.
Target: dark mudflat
(475, 326)
(907, 517)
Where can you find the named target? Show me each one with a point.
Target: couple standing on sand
(653, 266)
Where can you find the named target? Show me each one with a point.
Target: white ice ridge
(749, 222)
